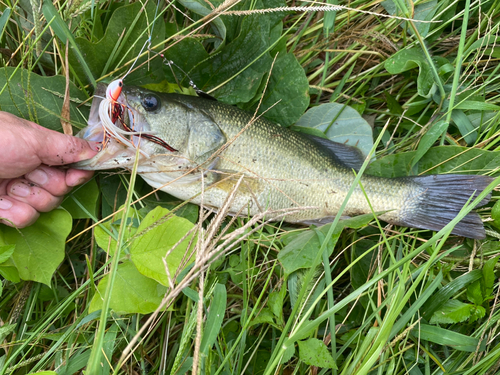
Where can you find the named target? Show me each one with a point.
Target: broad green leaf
(214, 318)
(263, 315)
(5, 252)
(43, 373)
(40, 99)
(220, 67)
(6, 329)
(427, 141)
(495, 214)
(476, 313)
(340, 123)
(453, 311)
(40, 247)
(106, 232)
(132, 292)
(474, 293)
(275, 303)
(233, 23)
(126, 33)
(446, 337)
(393, 104)
(160, 231)
(202, 8)
(448, 291)
(314, 352)
(188, 210)
(313, 289)
(422, 11)
(287, 94)
(437, 160)
(489, 276)
(186, 54)
(464, 125)
(407, 59)
(302, 249)
(9, 271)
(87, 196)
(288, 354)
(114, 193)
(237, 268)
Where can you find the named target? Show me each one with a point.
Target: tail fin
(443, 197)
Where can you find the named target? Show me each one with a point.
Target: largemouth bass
(212, 146)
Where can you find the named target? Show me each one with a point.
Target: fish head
(187, 123)
(150, 122)
(166, 115)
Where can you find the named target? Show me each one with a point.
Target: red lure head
(112, 93)
(114, 90)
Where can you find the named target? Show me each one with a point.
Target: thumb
(55, 148)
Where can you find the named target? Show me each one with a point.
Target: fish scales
(291, 170)
(282, 169)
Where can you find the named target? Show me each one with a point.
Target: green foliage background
(114, 281)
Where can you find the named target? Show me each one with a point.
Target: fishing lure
(110, 111)
(113, 93)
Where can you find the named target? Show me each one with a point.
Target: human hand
(29, 183)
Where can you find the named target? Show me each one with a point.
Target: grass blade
(62, 31)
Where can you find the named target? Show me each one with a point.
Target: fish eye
(151, 102)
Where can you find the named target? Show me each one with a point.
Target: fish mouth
(121, 140)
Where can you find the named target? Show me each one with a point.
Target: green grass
(374, 298)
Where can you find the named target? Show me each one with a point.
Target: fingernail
(38, 176)
(5, 204)
(20, 189)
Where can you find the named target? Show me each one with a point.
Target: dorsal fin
(204, 95)
(350, 156)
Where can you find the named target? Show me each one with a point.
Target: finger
(53, 148)
(15, 213)
(3, 186)
(50, 179)
(38, 198)
(76, 177)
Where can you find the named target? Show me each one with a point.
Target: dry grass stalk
(320, 8)
(230, 242)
